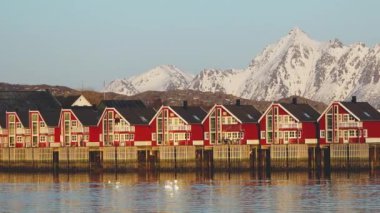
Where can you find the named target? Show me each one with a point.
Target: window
(42, 124)
(67, 116)
(67, 140)
(241, 135)
(74, 123)
(67, 127)
(159, 138)
(12, 118)
(206, 135)
(352, 133)
(299, 134)
(19, 139)
(335, 109)
(187, 136)
(154, 136)
(73, 138)
(322, 133)
(110, 115)
(116, 137)
(42, 138)
(18, 125)
(329, 136)
(292, 134)
(11, 141)
(34, 128)
(262, 134)
(365, 133)
(85, 137)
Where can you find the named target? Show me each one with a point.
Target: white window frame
(19, 139)
(322, 133)
(365, 133)
(262, 134)
(154, 136)
(74, 123)
(207, 135)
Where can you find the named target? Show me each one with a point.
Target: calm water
(189, 192)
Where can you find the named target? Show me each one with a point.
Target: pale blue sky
(73, 41)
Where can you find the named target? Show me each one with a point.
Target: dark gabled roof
(137, 116)
(88, 116)
(191, 114)
(303, 112)
(23, 101)
(2, 119)
(363, 110)
(51, 116)
(27, 100)
(245, 113)
(123, 103)
(67, 101)
(24, 117)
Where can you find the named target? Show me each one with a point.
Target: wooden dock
(293, 156)
(180, 158)
(231, 157)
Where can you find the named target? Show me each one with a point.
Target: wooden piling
(349, 156)
(231, 157)
(178, 158)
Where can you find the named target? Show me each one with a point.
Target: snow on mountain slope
(295, 65)
(213, 80)
(161, 78)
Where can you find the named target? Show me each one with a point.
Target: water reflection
(188, 192)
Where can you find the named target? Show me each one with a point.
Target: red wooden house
(78, 127)
(3, 129)
(349, 122)
(125, 123)
(30, 118)
(231, 124)
(288, 123)
(177, 125)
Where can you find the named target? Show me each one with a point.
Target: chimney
(185, 104)
(237, 102)
(353, 100)
(294, 100)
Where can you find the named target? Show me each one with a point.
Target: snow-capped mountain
(295, 65)
(161, 78)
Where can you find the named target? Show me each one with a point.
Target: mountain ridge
(294, 65)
